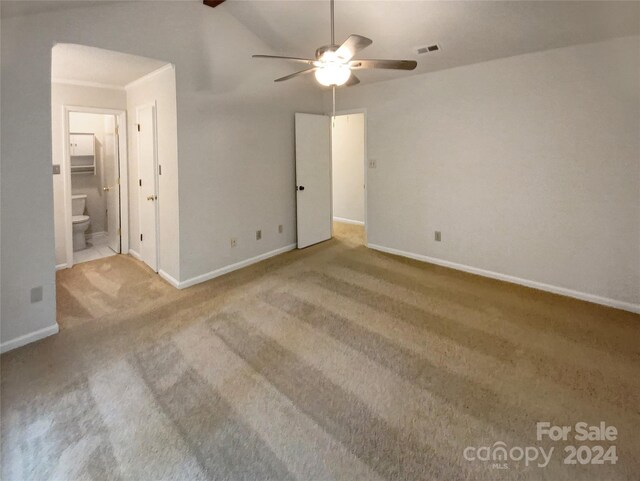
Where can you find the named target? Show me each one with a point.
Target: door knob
(106, 189)
(300, 187)
(152, 197)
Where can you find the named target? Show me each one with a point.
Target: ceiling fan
(334, 64)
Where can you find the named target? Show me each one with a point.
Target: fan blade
(353, 80)
(391, 64)
(212, 3)
(308, 61)
(352, 45)
(302, 72)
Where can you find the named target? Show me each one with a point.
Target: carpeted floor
(331, 363)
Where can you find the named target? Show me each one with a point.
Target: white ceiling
(78, 63)
(16, 8)
(27, 7)
(468, 31)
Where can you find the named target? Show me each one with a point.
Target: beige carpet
(331, 363)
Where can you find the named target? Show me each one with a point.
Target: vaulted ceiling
(467, 32)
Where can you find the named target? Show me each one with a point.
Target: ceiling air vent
(428, 49)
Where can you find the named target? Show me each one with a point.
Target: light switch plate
(56, 169)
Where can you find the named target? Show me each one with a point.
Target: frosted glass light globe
(333, 73)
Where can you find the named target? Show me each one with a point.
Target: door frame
(123, 167)
(156, 180)
(365, 166)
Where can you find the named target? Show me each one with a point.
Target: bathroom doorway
(128, 177)
(95, 165)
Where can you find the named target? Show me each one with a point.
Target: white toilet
(80, 221)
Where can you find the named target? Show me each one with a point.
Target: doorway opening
(114, 135)
(96, 161)
(331, 177)
(349, 172)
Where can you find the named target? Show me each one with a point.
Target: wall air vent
(428, 49)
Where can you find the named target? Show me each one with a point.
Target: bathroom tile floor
(97, 248)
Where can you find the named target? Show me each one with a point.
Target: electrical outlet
(438, 236)
(234, 242)
(36, 294)
(373, 163)
(280, 229)
(258, 234)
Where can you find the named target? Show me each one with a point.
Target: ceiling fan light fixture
(329, 56)
(333, 74)
(333, 63)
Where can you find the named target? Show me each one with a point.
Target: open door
(313, 178)
(111, 165)
(147, 185)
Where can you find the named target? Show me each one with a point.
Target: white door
(147, 185)
(111, 166)
(313, 178)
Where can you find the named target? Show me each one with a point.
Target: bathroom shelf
(83, 169)
(82, 150)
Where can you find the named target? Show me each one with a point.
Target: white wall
(158, 88)
(235, 138)
(530, 166)
(347, 145)
(87, 183)
(77, 96)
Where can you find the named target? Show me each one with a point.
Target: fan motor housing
(325, 48)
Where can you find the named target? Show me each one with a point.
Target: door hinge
(159, 170)
(138, 127)
(117, 130)
(140, 182)
(141, 237)
(119, 231)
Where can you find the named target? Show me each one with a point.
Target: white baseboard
(224, 270)
(348, 221)
(95, 235)
(169, 278)
(135, 254)
(62, 266)
(29, 338)
(626, 306)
